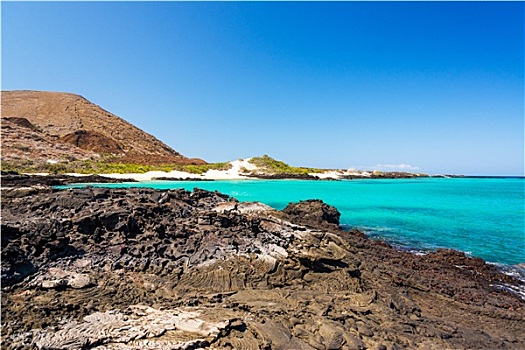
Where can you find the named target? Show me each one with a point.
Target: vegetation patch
(105, 167)
(269, 165)
(202, 168)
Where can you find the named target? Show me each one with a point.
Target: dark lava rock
(180, 179)
(284, 176)
(313, 212)
(139, 268)
(18, 192)
(386, 175)
(21, 180)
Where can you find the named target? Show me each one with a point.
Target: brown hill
(93, 141)
(23, 142)
(71, 119)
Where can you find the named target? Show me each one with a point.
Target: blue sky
(433, 86)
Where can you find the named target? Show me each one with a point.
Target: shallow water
(482, 217)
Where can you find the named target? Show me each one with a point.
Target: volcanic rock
(17, 181)
(313, 212)
(100, 268)
(283, 176)
(165, 178)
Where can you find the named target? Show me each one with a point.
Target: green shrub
(202, 168)
(105, 166)
(272, 166)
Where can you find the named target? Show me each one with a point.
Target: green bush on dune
(105, 167)
(272, 166)
(265, 164)
(201, 169)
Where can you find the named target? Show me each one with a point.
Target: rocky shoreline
(179, 179)
(99, 268)
(14, 180)
(283, 177)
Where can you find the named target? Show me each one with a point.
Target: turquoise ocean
(483, 217)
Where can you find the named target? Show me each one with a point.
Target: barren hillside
(71, 119)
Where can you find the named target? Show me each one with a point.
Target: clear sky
(433, 86)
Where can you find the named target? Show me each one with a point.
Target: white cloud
(403, 167)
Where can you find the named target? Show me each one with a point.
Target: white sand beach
(236, 172)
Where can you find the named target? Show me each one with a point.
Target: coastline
(233, 175)
(244, 169)
(409, 229)
(270, 261)
(261, 168)
(217, 175)
(20, 185)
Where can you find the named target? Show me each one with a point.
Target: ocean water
(482, 217)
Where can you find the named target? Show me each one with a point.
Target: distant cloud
(403, 167)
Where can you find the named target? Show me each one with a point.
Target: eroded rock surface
(138, 326)
(137, 268)
(313, 212)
